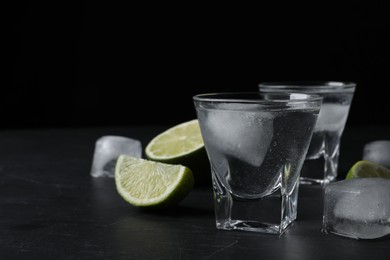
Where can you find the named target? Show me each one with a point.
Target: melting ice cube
(107, 150)
(378, 151)
(243, 135)
(332, 117)
(358, 208)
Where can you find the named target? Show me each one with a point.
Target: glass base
(253, 226)
(318, 172)
(270, 214)
(311, 181)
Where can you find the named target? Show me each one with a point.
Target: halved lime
(368, 169)
(176, 142)
(181, 144)
(145, 183)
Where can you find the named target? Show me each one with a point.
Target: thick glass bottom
(253, 226)
(319, 171)
(270, 214)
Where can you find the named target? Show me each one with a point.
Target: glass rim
(308, 86)
(239, 97)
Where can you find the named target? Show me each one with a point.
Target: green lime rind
(368, 169)
(197, 161)
(148, 184)
(182, 144)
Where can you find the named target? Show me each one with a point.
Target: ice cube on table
(378, 152)
(358, 208)
(107, 150)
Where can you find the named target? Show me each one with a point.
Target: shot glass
(321, 163)
(256, 144)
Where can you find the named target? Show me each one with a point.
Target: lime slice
(176, 142)
(149, 184)
(182, 144)
(367, 169)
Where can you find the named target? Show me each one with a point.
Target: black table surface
(51, 208)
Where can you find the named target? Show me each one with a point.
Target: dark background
(99, 63)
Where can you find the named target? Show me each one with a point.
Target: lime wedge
(182, 144)
(149, 184)
(368, 169)
(176, 142)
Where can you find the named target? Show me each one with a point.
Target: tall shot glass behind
(256, 144)
(321, 163)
